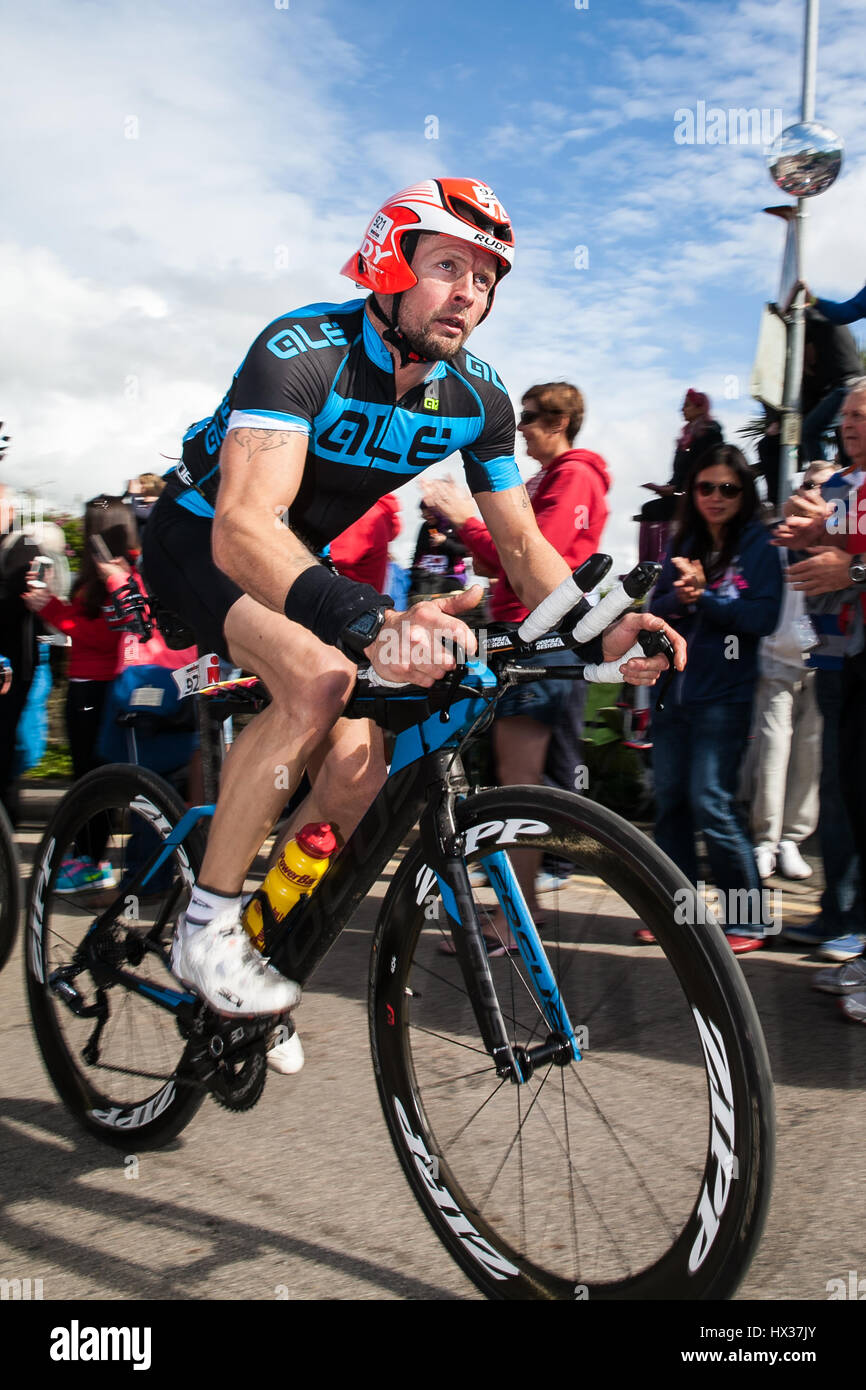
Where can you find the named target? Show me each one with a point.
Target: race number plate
(197, 675)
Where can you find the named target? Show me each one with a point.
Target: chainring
(238, 1081)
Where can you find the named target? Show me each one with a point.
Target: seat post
(208, 724)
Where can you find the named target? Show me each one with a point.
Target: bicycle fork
(445, 845)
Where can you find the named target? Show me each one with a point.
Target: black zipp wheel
(642, 1171)
(129, 1095)
(10, 888)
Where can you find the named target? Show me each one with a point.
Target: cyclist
(334, 406)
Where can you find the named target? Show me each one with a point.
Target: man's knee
(308, 682)
(317, 699)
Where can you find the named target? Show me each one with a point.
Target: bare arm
(260, 473)
(532, 565)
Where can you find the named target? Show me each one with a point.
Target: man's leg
(347, 771)
(852, 749)
(841, 902)
(773, 732)
(309, 685)
(804, 766)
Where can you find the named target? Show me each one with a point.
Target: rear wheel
(642, 1170)
(112, 1052)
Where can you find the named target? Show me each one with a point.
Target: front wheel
(113, 1050)
(642, 1170)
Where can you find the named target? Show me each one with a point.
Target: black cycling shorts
(179, 569)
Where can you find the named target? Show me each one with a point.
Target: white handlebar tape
(603, 614)
(608, 672)
(550, 611)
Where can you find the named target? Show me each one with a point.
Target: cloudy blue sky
(177, 175)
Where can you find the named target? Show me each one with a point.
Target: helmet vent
(468, 213)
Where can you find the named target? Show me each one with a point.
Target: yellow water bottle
(303, 861)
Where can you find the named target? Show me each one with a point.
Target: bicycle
(577, 1118)
(10, 888)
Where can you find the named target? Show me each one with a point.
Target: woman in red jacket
(569, 499)
(98, 651)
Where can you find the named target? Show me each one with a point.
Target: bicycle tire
(112, 1096)
(642, 1171)
(10, 888)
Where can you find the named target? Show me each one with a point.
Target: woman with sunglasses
(721, 586)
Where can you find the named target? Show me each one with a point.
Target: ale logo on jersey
(363, 433)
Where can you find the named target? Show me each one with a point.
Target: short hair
(857, 387)
(820, 466)
(559, 398)
(151, 484)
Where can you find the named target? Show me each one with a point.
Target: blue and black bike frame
(426, 779)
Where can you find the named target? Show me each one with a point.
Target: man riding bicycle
(334, 406)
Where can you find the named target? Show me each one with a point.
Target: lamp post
(804, 160)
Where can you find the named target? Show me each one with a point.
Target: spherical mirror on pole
(805, 159)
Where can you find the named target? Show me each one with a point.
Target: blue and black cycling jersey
(324, 371)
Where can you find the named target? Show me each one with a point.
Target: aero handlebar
(590, 622)
(551, 611)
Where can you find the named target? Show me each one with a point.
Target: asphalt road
(302, 1197)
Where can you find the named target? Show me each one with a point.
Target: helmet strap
(394, 335)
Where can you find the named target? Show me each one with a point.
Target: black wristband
(324, 603)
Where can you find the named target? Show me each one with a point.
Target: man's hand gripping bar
(648, 644)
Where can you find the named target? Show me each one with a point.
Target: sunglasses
(728, 490)
(527, 416)
(810, 483)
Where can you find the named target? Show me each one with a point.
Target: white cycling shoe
(221, 964)
(286, 1057)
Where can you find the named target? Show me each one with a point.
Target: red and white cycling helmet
(461, 208)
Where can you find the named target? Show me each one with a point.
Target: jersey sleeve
(284, 379)
(489, 462)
